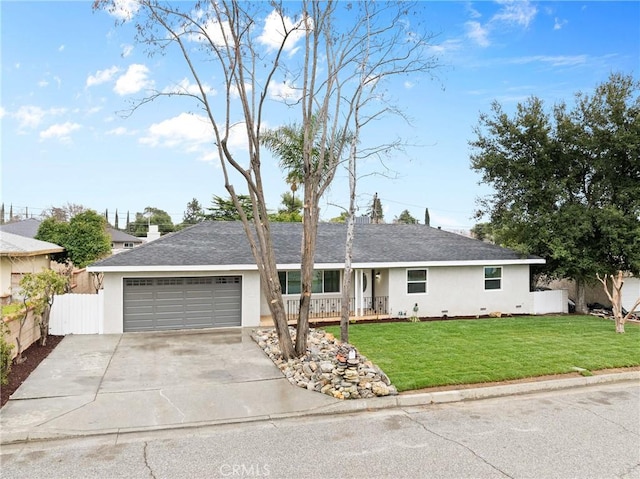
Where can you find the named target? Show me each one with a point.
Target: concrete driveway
(97, 384)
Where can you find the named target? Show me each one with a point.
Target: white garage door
(158, 304)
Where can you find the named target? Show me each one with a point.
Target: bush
(5, 354)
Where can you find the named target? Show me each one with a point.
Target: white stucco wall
(114, 295)
(459, 291)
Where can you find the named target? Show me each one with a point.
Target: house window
(492, 277)
(416, 281)
(128, 245)
(323, 282)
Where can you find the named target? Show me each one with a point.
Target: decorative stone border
(329, 367)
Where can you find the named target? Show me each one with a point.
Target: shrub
(5, 354)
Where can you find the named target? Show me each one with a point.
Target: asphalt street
(585, 432)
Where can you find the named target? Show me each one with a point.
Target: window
(138, 282)
(323, 282)
(127, 245)
(492, 277)
(416, 281)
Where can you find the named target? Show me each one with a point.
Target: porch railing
(331, 307)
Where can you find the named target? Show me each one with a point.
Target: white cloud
(215, 32)
(184, 86)
(61, 131)
(31, 116)
(185, 130)
(408, 85)
(134, 80)
(126, 50)
(102, 76)
(274, 30)
(124, 9)
(193, 134)
(284, 91)
(93, 110)
(473, 13)
(3, 112)
(445, 47)
(43, 83)
(61, 48)
(233, 90)
(120, 131)
(558, 23)
(520, 12)
(478, 33)
(556, 61)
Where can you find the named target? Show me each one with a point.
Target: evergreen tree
(375, 210)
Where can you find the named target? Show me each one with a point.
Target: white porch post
(358, 296)
(356, 287)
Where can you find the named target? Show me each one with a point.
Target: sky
(68, 72)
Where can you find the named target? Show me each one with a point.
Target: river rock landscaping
(329, 367)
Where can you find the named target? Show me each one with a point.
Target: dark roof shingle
(224, 243)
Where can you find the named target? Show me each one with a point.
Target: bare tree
(63, 213)
(319, 79)
(379, 45)
(615, 296)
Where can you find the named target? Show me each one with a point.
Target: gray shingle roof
(224, 243)
(122, 237)
(28, 227)
(16, 245)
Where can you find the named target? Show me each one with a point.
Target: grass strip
(439, 353)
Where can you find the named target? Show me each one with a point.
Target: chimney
(153, 233)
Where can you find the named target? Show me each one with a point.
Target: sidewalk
(117, 384)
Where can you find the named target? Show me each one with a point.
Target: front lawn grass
(438, 353)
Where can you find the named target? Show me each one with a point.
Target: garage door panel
(182, 303)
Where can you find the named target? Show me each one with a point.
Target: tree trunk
(44, 325)
(310, 228)
(346, 280)
(348, 254)
(615, 296)
(581, 301)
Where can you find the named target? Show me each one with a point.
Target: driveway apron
(97, 384)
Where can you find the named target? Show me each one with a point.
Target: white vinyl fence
(554, 301)
(77, 314)
(630, 293)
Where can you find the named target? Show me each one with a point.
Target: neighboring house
(20, 255)
(205, 276)
(121, 241)
(28, 227)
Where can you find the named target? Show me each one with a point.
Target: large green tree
(405, 218)
(223, 209)
(151, 216)
(375, 212)
(291, 209)
(567, 181)
(193, 214)
(84, 237)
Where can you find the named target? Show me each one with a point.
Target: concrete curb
(342, 407)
